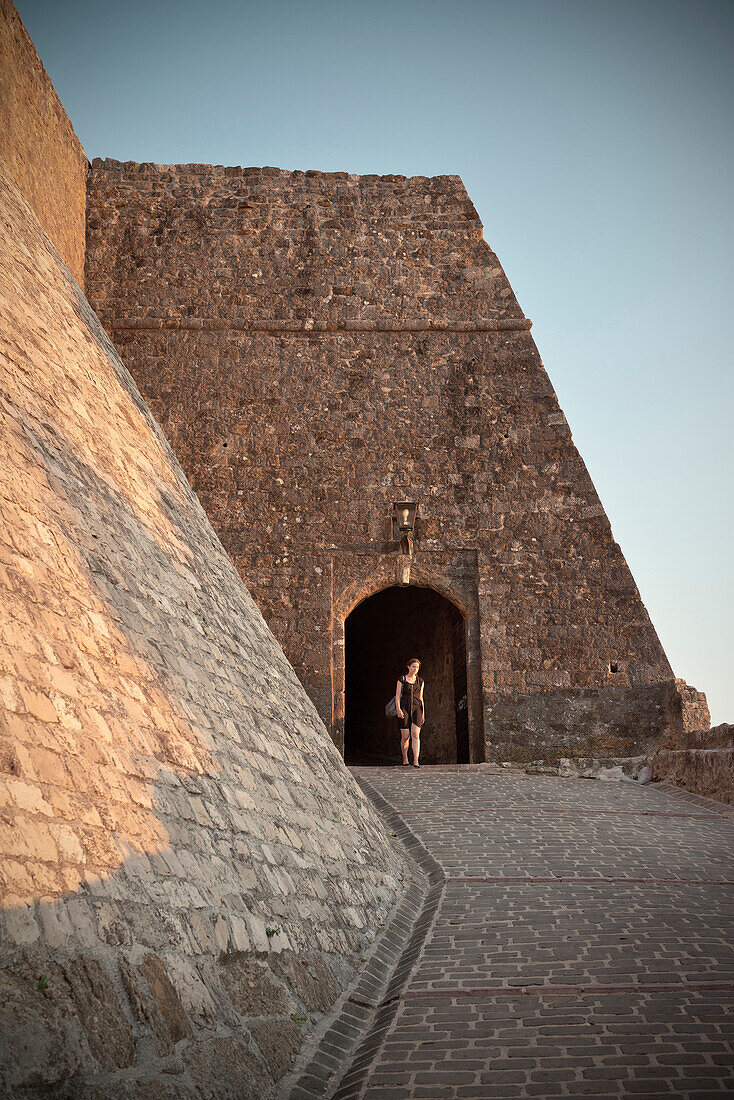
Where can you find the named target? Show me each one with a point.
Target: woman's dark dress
(410, 703)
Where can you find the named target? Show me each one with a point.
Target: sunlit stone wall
(189, 873)
(38, 145)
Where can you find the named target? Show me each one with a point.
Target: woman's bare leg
(404, 739)
(415, 737)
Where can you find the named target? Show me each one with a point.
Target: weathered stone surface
(690, 716)
(252, 987)
(718, 737)
(694, 707)
(38, 145)
(166, 998)
(163, 1086)
(38, 1050)
(695, 757)
(169, 792)
(145, 1008)
(225, 1069)
(708, 772)
(278, 1041)
(609, 767)
(60, 1018)
(309, 977)
(81, 987)
(319, 346)
(617, 721)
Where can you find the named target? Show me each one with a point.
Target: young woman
(410, 710)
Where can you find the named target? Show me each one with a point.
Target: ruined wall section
(317, 346)
(702, 762)
(189, 874)
(38, 145)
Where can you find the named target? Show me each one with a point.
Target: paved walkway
(576, 939)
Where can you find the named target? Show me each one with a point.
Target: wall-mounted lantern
(403, 525)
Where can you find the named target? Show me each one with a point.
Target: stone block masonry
(702, 761)
(189, 874)
(319, 346)
(38, 145)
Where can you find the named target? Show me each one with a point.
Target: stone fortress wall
(38, 145)
(184, 855)
(188, 875)
(318, 346)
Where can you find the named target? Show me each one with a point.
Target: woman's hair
(412, 659)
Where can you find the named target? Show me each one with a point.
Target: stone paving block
(629, 973)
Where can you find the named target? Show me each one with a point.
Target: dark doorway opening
(381, 635)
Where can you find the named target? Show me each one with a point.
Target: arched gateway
(381, 634)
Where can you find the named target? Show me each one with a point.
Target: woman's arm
(398, 691)
(423, 684)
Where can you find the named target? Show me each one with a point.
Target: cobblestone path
(576, 940)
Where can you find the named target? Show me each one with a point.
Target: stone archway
(381, 633)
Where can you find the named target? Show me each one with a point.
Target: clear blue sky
(595, 138)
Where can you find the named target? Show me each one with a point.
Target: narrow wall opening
(381, 634)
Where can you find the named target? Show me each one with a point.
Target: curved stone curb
(703, 801)
(343, 1053)
(668, 778)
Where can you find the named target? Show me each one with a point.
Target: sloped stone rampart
(318, 346)
(38, 145)
(189, 874)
